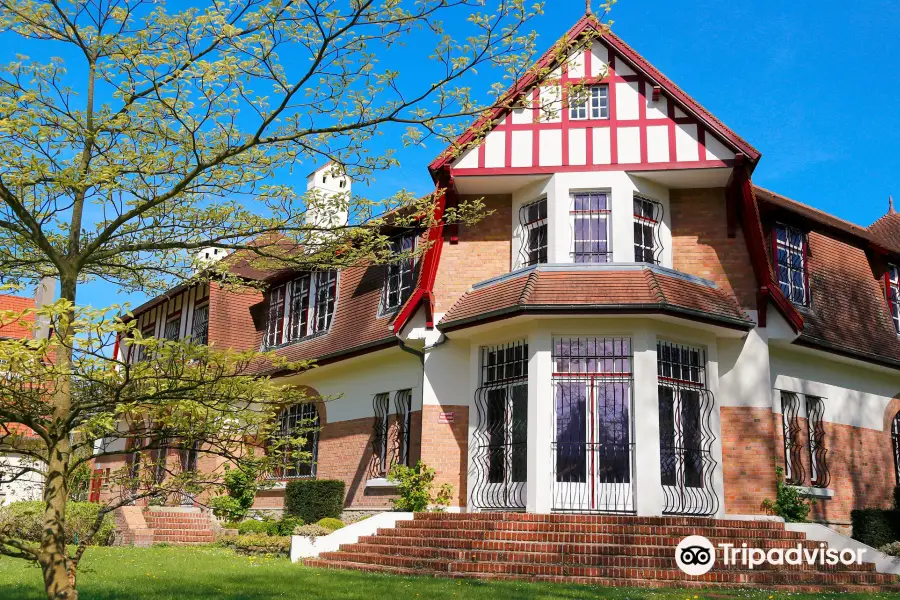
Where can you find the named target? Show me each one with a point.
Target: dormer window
(892, 287)
(301, 308)
(533, 218)
(400, 275)
(790, 263)
(592, 103)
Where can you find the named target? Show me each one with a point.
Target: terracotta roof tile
(886, 231)
(589, 290)
(18, 304)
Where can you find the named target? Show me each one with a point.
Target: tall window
(533, 218)
(381, 403)
(593, 103)
(818, 470)
(298, 421)
(647, 218)
(390, 439)
(200, 325)
(895, 443)
(300, 308)
(590, 225)
(173, 328)
(790, 426)
(795, 473)
(790, 263)
(892, 285)
(401, 274)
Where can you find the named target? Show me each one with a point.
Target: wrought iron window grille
(590, 220)
(685, 430)
(794, 471)
(895, 443)
(592, 459)
(293, 421)
(390, 437)
(200, 325)
(499, 468)
(818, 453)
(533, 222)
(648, 218)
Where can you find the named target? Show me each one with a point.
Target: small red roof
(16, 329)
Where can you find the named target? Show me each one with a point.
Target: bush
(331, 524)
(314, 499)
(22, 520)
(241, 485)
(414, 485)
(789, 504)
(313, 530)
(253, 526)
(875, 527)
(255, 543)
(284, 526)
(892, 549)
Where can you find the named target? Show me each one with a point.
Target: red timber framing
(693, 147)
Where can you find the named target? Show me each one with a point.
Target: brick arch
(890, 412)
(316, 397)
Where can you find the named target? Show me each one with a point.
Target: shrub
(255, 543)
(241, 485)
(253, 526)
(314, 499)
(892, 549)
(414, 485)
(875, 527)
(22, 520)
(788, 504)
(313, 530)
(284, 526)
(331, 524)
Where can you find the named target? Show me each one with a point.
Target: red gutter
(769, 290)
(424, 292)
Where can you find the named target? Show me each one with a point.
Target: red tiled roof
(639, 290)
(16, 329)
(886, 231)
(812, 214)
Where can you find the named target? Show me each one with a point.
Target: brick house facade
(634, 328)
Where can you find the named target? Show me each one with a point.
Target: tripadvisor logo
(696, 555)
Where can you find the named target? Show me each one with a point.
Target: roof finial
(587, 7)
(891, 205)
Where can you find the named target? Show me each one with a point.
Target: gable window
(533, 218)
(300, 308)
(892, 285)
(590, 225)
(400, 276)
(299, 420)
(200, 325)
(790, 263)
(647, 218)
(592, 103)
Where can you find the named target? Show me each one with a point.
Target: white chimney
(329, 193)
(207, 256)
(44, 294)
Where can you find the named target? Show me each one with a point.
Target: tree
(162, 132)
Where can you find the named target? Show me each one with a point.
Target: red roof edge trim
(424, 292)
(769, 290)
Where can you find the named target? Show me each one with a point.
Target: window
(593, 103)
(299, 420)
(400, 277)
(895, 442)
(590, 225)
(790, 263)
(300, 308)
(792, 429)
(390, 440)
(647, 218)
(173, 328)
(200, 325)
(892, 284)
(818, 470)
(139, 353)
(381, 403)
(533, 218)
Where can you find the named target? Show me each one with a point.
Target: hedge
(314, 499)
(875, 527)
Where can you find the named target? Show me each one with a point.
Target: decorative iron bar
(648, 218)
(685, 433)
(895, 442)
(299, 420)
(794, 473)
(499, 458)
(400, 433)
(379, 465)
(818, 464)
(533, 220)
(592, 458)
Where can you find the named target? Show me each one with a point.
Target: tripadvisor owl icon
(695, 555)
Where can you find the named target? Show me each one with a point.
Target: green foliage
(275, 527)
(875, 527)
(314, 499)
(255, 543)
(253, 526)
(23, 520)
(788, 504)
(330, 523)
(241, 485)
(414, 485)
(312, 530)
(892, 549)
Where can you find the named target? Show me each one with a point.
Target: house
(636, 328)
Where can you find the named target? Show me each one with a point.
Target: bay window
(590, 218)
(301, 307)
(533, 219)
(647, 218)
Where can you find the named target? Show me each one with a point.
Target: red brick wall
(749, 458)
(230, 320)
(447, 447)
(483, 252)
(701, 245)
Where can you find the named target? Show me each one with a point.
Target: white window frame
(595, 106)
(893, 294)
(791, 249)
(403, 293)
(604, 215)
(310, 327)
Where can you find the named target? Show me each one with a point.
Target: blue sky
(811, 85)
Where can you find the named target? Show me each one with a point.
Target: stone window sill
(380, 482)
(814, 492)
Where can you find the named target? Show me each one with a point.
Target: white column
(648, 484)
(540, 432)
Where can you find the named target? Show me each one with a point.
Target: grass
(209, 572)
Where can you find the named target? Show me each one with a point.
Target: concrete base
(306, 547)
(819, 533)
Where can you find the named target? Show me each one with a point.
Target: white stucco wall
(29, 486)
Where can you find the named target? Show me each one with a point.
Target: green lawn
(183, 573)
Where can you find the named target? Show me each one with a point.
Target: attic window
(790, 248)
(892, 287)
(400, 276)
(593, 103)
(300, 308)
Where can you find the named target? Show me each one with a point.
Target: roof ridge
(810, 207)
(528, 288)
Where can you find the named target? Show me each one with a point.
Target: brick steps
(180, 528)
(596, 550)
